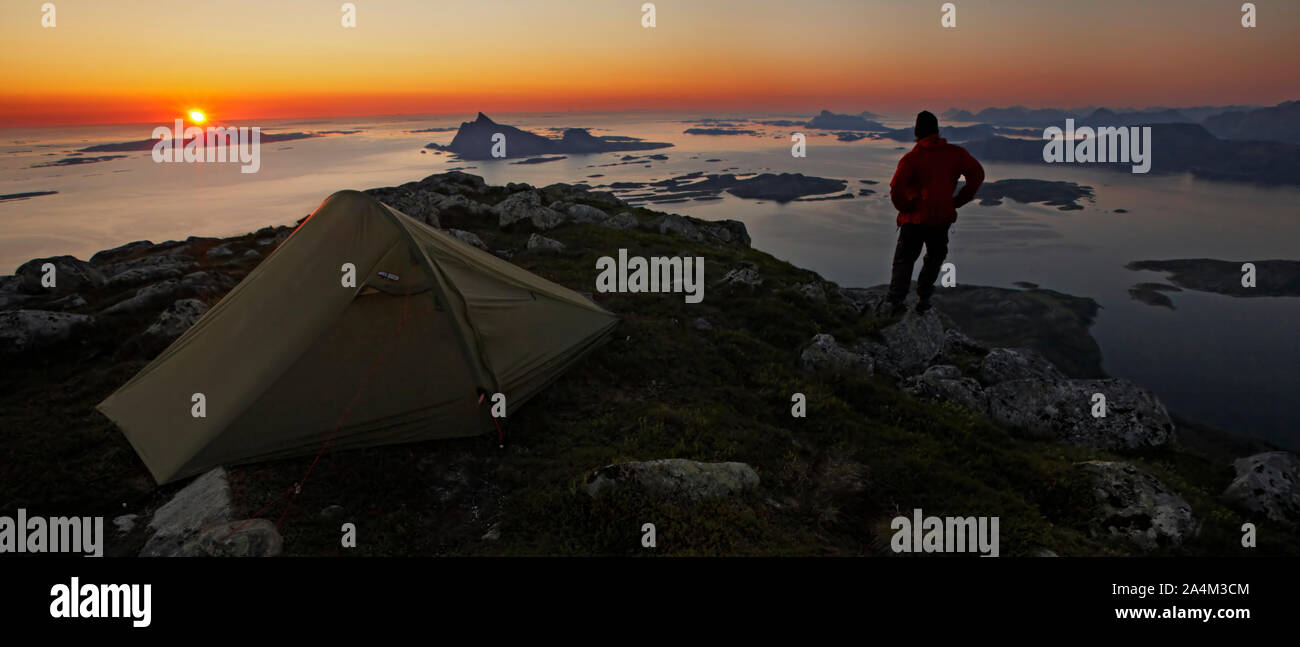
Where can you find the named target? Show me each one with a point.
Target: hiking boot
(896, 308)
(922, 306)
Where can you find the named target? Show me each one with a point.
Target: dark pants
(910, 239)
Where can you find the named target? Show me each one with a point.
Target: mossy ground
(659, 388)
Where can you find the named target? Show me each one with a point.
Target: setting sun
(197, 116)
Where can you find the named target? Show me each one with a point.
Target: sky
(131, 61)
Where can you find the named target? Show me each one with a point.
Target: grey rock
(125, 523)
(1133, 505)
(251, 254)
(332, 512)
(945, 382)
(724, 231)
(1062, 410)
(247, 538)
(70, 302)
(913, 344)
(468, 238)
(543, 244)
(202, 503)
(622, 220)
(1007, 364)
(587, 214)
(146, 297)
(701, 324)
(675, 477)
(177, 318)
(462, 203)
(147, 269)
(1267, 484)
(26, 330)
(221, 251)
(813, 291)
(526, 206)
(70, 275)
(118, 253)
(746, 276)
(824, 354)
(864, 301)
(677, 225)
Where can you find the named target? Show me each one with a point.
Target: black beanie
(926, 124)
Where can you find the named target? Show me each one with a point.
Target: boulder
(587, 214)
(945, 382)
(147, 269)
(462, 203)
(247, 538)
(864, 301)
(177, 318)
(469, 238)
(701, 324)
(824, 354)
(202, 503)
(118, 253)
(724, 231)
(217, 252)
(543, 244)
(813, 291)
(623, 220)
(1267, 484)
(674, 224)
(1062, 410)
(526, 206)
(676, 478)
(912, 344)
(1133, 505)
(26, 330)
(146, 297)
(746, 276)
(70, 275)
(1007, 364)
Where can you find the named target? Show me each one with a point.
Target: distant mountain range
(1277, 123)
(831, 121)
(1177, 148)
(473, 141)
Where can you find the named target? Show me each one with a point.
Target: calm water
(1229, 362)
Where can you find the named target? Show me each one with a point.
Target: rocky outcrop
(824, 354)
(674, 478)
(1135, 506)
(68, 273)
(202, 503)
(177, 318)
(469, 238)
(945, 382)
(742, 276)
(1267, 484)
(526, 206)
(1062, 410)
(1007, 364)
(26, 330)
(542, 244)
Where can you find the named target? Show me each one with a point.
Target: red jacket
(926, 177)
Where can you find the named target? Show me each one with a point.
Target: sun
(197, 116)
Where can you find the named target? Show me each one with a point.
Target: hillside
(975, 408)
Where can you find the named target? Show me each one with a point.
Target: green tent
(292, 357)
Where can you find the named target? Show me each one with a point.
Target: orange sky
(112, 62)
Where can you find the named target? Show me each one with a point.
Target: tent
(291, 358)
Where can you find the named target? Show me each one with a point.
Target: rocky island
(474, 141)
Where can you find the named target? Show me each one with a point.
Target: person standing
(922, 191)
